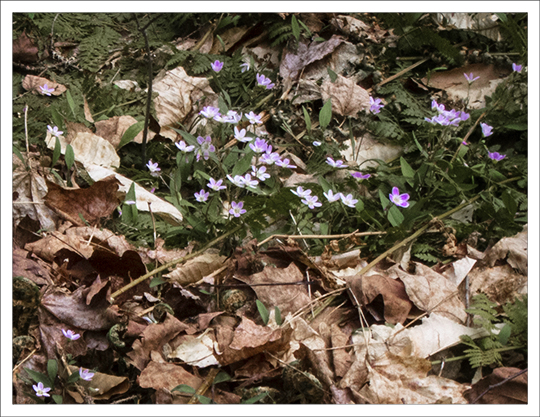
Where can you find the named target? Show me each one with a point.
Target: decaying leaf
(178, 95)
(144, 198)
(196, 351)
(501, 283)
(167, 375)
(93, 203)
(432, 292)
(197, 268)
(114, 128)
(29, 190)
(457, 87)
(101, 387)
(347, 97)
(397, 304)
(513, 391)
(513, 249)
(370, 151)
(88, 149)
(32, 83)
(24, 49)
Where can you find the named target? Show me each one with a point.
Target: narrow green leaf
(130, 133)
(39, 377)
(395, 217)
(71, 104)
(307, 119)
(384, 200)
(325, 115)
(502, 16)
(74, 377)
(309, 34)
(222, 105)
(52, 369)
(184, 388)
(56, 153)
(263, 311)
(84, 220)
(19, 155)
(332, 74)
(277, 312)
(69, 156)
(504, 334)
(57, 118)
(295, 27)
(57, 399)
(406, 169)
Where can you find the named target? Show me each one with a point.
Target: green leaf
(221, 377)
(504, 334)
(57, 399)
(242, 165)
(204, 400)
(155, 281)
(69, 156)
(307, 119)
(277, 312)
(130, 133)
(406, 169)
(325, 114)
(71, 104)
(222, 105)
(253, 400)
(384, 200)
(263, 311)
(184, 388)
(502, 16)
(57, 118)
(57, 151)
(509, 202)
(74, 377)
(130, 213)
(395, 217)
(39, 377)
(517, 126)
(332, 74)
(52, 369)
(19, 154)
(295, 27)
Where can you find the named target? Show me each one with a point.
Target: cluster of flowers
(446, 117)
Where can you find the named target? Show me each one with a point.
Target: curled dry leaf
(167, 375)
(197, 268)
(93, 203)
(101, 387)
(25, 50)
(513, 249)
(347, 97)
(196, 351)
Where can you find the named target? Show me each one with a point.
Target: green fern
(94, 50)
(280, 32)
(486, 351)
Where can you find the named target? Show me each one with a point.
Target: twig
(24, 360)
(356, 233)
(173, 263)
(399, 74)
(26, 130)
(498, 384)
(204, 386)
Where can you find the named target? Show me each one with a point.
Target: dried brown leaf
(153, 339)
(32, 83)
(93, 203)
(501, 284)
(101, 387)
(28, 266)
(513, 249)
(347, 97)
(513, 391)
(114, 128)
(167, 375)
(197, 268)
(25, 50)
(433, 293)
(397, 303)
(340, 357)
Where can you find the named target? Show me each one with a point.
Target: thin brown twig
(498, 384)
(355, 233)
